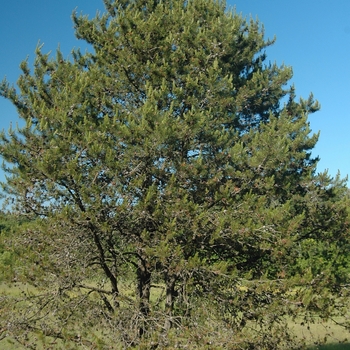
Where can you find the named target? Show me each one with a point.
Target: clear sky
(313, 36)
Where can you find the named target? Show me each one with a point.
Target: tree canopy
(169, 179)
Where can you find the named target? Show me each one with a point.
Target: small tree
(166, 160)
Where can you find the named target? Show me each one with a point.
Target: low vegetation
(309, 333)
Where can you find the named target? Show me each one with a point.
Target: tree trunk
(108, 272)
(169, 301)
(143, 291)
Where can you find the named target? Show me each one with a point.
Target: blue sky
(313, 36)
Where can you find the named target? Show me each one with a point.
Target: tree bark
(143, 291)
(169, 301)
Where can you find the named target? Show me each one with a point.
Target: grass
(343, 346)
(14, 289)
(333, 335)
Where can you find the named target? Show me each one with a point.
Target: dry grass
(329, 333)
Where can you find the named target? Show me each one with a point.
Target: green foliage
(9, 254)
(165, 157)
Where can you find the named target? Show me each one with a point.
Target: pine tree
(165, 159)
